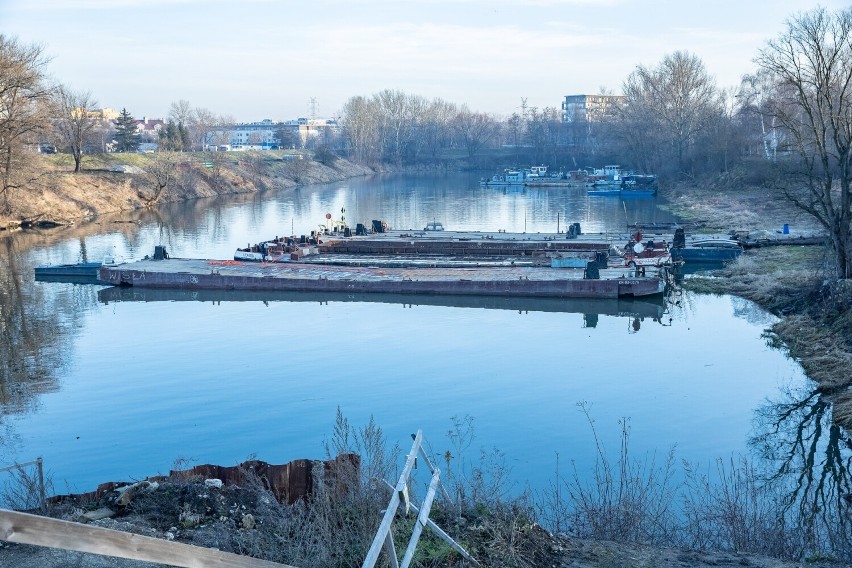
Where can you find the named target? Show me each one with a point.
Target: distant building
(266, 134)
(588, 108)
(150, 128)
(103, 114)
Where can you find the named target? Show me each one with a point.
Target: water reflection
(635, 309)
(31, 344)
(516, 364)
(809, 459)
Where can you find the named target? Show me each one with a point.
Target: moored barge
(523, 281)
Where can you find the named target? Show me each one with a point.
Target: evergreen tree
(174, 137)
(126, 135)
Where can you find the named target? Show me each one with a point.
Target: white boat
(515, 177)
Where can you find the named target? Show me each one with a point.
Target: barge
(521, 281)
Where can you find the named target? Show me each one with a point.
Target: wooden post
(39, 463)
(42, 503)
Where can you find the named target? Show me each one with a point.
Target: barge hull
(293, 277)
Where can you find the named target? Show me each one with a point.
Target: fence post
(42, 501)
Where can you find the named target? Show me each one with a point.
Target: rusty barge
(520, 281)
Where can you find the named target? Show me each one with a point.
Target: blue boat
(708, 250)
(79, 273)
(604, 191)
(638, 192)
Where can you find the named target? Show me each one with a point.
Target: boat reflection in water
(651, 307)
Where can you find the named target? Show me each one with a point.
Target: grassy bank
(794, 283)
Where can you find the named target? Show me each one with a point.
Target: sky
(280, 59)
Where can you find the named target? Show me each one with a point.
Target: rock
(248, 521)
(189, 519)
(127, 493)
(98, 514)
(216, 483)
(126, 169)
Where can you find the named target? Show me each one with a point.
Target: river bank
(246, 519)
(794, 283)
(113, 183)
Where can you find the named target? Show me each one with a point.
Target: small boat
(638, 192)
(708, 250)
(516, 176)
(434, 226)
(611, 180)
(509, 177)
(67, 272)
(602, 191)
(74, 273)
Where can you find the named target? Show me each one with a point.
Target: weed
(627, 500)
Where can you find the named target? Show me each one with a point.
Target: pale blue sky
(256, 59)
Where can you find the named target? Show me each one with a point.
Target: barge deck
(523, 281)
(463, 243)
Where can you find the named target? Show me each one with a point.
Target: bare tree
(543, 129)
(360, 120)
(436, 127)
(667, 108)
(161, 172)
(398, 117)
(475, 129)
(24, 97)
(756, 101)
(811, 63)
(181, 112)
(74, 121)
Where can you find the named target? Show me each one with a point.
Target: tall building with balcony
(588, 108)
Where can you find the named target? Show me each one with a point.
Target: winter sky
(256, 59)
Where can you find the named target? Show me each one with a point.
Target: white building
(264, 134)
(588, 108)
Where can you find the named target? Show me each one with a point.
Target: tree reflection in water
(36, 327)
(808, 459)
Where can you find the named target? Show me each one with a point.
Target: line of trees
(394, 127)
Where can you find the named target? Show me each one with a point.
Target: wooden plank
(384, 528)
(422, 517)
(432, 469)
(390, 550)
(54, 533)
(19, 465)
(441, 533)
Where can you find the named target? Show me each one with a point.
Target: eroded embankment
(121, 182)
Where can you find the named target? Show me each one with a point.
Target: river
(116, 386)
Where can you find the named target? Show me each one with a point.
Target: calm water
(113, 386)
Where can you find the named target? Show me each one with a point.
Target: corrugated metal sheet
(289, 482)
